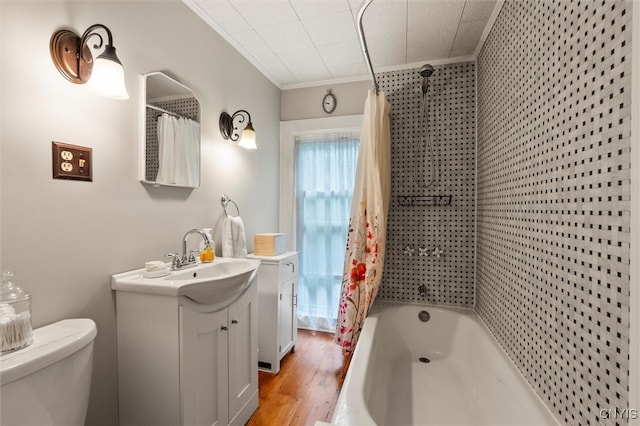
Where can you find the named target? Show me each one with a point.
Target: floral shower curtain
(364, 257)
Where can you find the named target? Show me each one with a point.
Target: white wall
(305, 103)
(64, 239)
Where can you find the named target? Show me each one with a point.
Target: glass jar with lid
(15, 315)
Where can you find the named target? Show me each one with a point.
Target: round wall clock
(329, 102)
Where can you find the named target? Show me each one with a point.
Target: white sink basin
(206, 283)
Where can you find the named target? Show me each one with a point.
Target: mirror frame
(142, 135)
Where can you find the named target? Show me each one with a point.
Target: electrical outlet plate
(71, 162)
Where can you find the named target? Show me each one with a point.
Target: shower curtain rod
(363, 43)
(165, 111)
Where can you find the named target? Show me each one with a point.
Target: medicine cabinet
(169, 132)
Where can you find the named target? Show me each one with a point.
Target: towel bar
(224, 201)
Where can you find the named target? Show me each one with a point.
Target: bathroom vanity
(188, 345)
(277, 298)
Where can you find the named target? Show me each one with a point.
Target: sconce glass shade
(107, 76)
(229, 125)
(248, 138)
(72, 57)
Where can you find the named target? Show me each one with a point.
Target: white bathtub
(469, 380)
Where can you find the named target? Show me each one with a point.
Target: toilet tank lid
(51, 343)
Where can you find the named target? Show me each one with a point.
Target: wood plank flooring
(306, 388)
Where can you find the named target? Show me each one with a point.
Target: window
(297, 133)
(325, 170)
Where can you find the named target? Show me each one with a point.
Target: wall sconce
(72, 57)
(229, 129)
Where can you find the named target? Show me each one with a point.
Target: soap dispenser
(207, 254)
(206, 248)
(15, 315)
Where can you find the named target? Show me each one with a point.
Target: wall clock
(329, 102)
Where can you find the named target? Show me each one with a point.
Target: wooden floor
(306, 388)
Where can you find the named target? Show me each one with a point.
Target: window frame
(289, 130)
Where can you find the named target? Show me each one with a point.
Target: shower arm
(363, 43)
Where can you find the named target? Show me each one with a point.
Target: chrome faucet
(187, 259)
(186, 237)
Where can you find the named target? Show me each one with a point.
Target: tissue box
(269, 244)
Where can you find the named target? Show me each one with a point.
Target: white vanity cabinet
(187, 363)
(277, 302)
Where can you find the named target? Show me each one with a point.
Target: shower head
(426, 70)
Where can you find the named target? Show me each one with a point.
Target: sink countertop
(196, 282)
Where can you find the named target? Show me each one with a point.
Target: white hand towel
(234, 243)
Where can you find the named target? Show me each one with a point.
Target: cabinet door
(204, 379)
(268, 300)
(243, 352)
(286, 314)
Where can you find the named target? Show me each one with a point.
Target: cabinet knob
(224, 328)
(234, 321)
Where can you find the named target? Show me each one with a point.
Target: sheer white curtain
(325, 173)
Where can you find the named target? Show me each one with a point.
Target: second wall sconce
(230, 128)
(72, 57)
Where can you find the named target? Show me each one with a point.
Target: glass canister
(15, 315)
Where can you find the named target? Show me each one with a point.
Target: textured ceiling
(305, 42)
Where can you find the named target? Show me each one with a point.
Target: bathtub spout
(422, 290)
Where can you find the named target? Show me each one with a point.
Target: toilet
(48, 382)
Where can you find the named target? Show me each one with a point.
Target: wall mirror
(169, 132)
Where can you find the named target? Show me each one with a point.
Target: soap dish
(156, 274)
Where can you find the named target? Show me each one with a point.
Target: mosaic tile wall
(553, 199)
(187, 107)
(414, 232)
